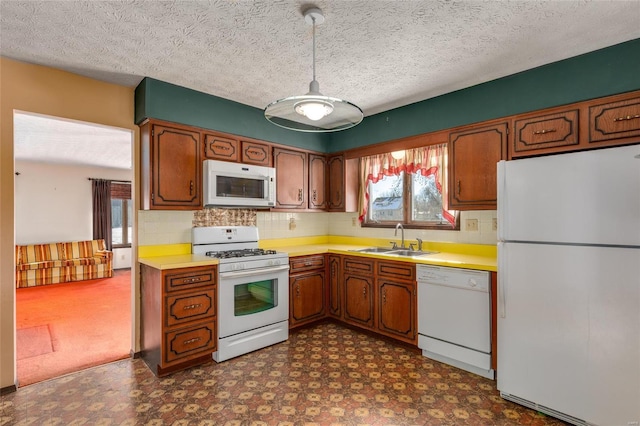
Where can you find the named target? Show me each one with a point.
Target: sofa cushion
(40, 265)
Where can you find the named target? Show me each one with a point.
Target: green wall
(604, 72)
(600, 73)
(165, 101)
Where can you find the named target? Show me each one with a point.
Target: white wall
(53, 201)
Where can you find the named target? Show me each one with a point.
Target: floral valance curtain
(427, 160)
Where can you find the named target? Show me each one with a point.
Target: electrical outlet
(494, 224)
(471, 225)
(292, 223)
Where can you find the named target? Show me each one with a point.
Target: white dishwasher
(454, 317)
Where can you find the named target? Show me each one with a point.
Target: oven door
(252, 299)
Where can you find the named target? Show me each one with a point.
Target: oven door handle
(263, 271)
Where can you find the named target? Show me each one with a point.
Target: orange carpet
(62, 328)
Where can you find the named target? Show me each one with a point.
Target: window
(121, 214)
(411, 190)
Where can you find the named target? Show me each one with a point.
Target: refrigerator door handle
(502, 198)
(502, 285)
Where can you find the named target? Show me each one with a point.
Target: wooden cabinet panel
(171, 167)
(187, 278)
(358, 265)
(546, 133)
(317, 178)
(359, 299)
(291, 178)
(342, 188)
(615, 120)
(188, 343)
(474, 153)
(307, 297)
(397, 309)
(217, 147)
(306, 263)
(397, 271)
(256, 153)
(190, 306)
(335, 286)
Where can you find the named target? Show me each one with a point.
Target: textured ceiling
(378, 54)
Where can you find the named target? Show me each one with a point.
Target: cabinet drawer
(256, 153)
(217, 147)
(190, 307)
(190, 278)
(358, 265)
(615, 120)
(190, 342)
(397, 271)
(305, 263)
(544, 132)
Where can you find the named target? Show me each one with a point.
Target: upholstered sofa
(53, 263)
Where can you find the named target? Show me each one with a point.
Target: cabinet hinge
(152, 132)
(152, 196)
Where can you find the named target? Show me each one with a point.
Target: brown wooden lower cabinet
(359, 299)
(397, 300)
(306, 290)
(178, 316)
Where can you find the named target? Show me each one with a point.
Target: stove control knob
(274, 262)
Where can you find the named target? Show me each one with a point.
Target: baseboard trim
(135, 355)
(7, 390)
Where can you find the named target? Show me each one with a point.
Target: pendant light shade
(313, 112)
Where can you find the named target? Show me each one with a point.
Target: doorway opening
(68, 326)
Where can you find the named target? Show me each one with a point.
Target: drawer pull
(628, 117)
(190, 341)
(194, 306)
(542, 132)
(192, 280)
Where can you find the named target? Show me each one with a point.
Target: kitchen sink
(410, 253)
(395, 252)
(374, 250)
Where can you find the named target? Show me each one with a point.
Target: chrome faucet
(399, 225)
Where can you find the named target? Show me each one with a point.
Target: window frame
(126, 203)
(407, 222)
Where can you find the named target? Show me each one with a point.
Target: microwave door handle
(240, 274)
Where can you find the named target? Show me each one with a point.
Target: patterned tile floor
(324, 375)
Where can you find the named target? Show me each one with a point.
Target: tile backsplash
(174, 227)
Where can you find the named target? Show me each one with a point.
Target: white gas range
(253, 289)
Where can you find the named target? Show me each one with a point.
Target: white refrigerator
(569, 285)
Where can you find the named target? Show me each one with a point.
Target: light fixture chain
(314, 47)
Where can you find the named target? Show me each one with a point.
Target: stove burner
(228, 254)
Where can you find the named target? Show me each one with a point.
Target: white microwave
(238, 185)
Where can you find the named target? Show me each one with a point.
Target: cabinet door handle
(194, 306)
(459, 187)
(190, 341)
(628, 117)
(299, 194)
(315, 195)
(544, 131)
(297, 290)
(384, 296)
(364, 292)
(190, 187)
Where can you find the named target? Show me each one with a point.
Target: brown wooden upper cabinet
(615, 120)
(541, 134)
(171, 167)
(256, 153)
(218, 147)
(342, 187)
(317, 179)
(474, 153)
(291, 178)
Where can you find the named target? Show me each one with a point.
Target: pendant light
(313, 112)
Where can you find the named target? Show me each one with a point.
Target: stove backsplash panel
(224, 217)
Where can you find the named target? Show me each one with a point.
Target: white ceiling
(53, 140)
(378, 54)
